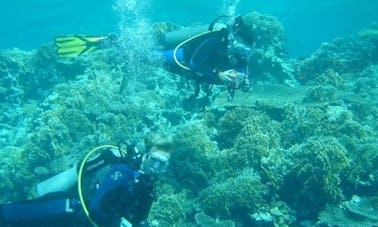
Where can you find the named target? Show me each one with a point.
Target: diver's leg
(208, 90)
(231, 93)
(40, 212)
(196, 91)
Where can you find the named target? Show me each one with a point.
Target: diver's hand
(125, 223)
(227, 76)
(233, 77)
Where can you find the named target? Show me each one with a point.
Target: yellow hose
(80, 176)
(183, 43)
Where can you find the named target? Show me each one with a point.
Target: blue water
(27, 24)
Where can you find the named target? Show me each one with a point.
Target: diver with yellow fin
(212, 55)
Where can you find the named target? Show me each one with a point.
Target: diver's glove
(227, 76)
(232, 76)
(124, 223)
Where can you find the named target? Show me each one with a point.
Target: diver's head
(155, 162)
(156, 158)
(243, 31)
(241, 37)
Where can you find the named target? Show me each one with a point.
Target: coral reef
(343, 55)
(269, 61)
(169, 209)
(359, 211)
(255, 142)
(267, 30)
(230, 125)
(294, 157)
(189, 162)
(315, 177)
(321, 94)
(234, 197)
(204, 220)
(276, 214)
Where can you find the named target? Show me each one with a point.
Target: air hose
(80, 176)
(183, 43)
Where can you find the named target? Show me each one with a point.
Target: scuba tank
(60, 182)
(67, 179)
(174, 38)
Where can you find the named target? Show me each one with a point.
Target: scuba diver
(216, 54)
(114, 188)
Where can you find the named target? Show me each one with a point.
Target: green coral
(276, 214)
(282, 214)
(15, 179)
(189, 161)
(194, 138)
(321, 93)
(61, 131)
(169, 209)
(254, 135)
(359, 212)
(255, 142)
(301, 122)
(269, 59)
(268, 31)
(274, 168)
(243, 122)
(317, 169)
(226, 163)
(230, 125)
(77, 123)
(330, 78)
(318, 166)
(205, 220)
(343, 55)
(243, 193)
(364, 160)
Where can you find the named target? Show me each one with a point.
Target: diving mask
(155, 162)
(238, 46)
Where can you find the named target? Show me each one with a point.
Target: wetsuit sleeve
(146, 204)
(137, 214)
(205, 56)
(243, 64)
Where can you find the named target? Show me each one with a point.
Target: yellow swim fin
(75, 45)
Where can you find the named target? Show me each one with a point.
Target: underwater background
(29, 24)
(299, 149)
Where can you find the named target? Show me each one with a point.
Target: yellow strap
(80, 176)
(183, 43)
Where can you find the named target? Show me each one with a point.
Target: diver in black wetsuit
(215, 57)
(122, 196)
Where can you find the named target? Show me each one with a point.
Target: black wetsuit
(208, 55)
(130, 197)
